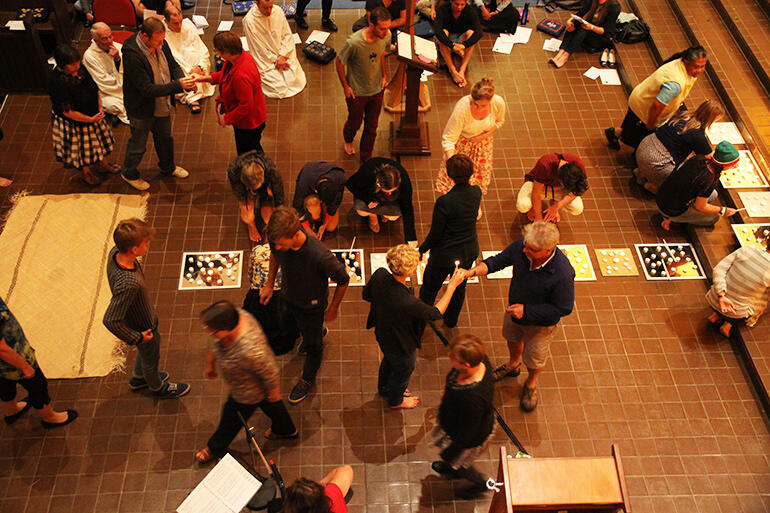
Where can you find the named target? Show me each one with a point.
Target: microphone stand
(265, 496)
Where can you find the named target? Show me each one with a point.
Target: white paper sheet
(297, 39)
(224, 26)
(522, 35)
(609, 76)
(244, 43)
(425, 75)
(551, 45)
(404, 45)
(502, 46)
(426, 48)
(148, 13)
(592, 73)
(508, 38)
(577, 18)
(190, 22)
(317, 35)
(15, 25)
(226, 489)
(200, 21)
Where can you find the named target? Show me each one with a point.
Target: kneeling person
(554, 174)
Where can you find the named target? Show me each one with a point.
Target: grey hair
(541, 235)
(96, 27)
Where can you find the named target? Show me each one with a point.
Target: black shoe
(504, 372)
(301, 22)
(443, 468)
(187, 5)
(71, 415)
(300, 391)
(612, 139)
(329, 25)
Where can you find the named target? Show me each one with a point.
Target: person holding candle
(452, 240)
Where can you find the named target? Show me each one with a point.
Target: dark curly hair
(306, 496)
(572, 179)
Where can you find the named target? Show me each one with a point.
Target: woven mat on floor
(53, 250)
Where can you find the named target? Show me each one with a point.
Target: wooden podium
(411, 136)
(556, 484)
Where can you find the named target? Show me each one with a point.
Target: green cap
(725, 153)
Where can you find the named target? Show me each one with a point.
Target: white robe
(189, 50)
(108, 77)
(269, 37)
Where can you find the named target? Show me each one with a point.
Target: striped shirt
(744, 275)
(130, 311)
(248, 365)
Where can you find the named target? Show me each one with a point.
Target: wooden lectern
(556, 484)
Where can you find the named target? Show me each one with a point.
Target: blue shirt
(547, 293)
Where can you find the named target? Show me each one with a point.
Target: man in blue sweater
(542, 291)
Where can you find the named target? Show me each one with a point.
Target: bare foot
(203, 455)
(407, 393)
(713, 318)
(5, 182)
(480, 214)
(13, 408)
(408, 403)
(254, 235)
(457, 78)
(725, 328)
(666, 224)
(349, 148)
(531, 215)
(56, 417)
(374, 224)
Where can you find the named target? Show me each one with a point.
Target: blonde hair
(484, 89)
(706, 113)
(402, 259)
(541, 235)
(252, 175)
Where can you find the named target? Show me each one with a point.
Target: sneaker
(504, 372)
(138, 184)
(612, 139)
(172, 390)
(179, 172)
(528, 398)
(301, 22)
(139, 383)
(604, 59)
(329, 25)
(300, 391)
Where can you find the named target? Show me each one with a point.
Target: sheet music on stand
(422, 47)
(226, 489)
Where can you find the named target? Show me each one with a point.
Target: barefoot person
(458, 29)
(542, 291)
(257, 184)
(18, 366)
(398, 319)
(248, 366)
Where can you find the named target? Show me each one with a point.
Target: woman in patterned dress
(81, 135)
(474, 120)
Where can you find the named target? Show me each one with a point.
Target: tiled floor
(634, 364)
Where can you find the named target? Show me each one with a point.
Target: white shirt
(462, 123)
(103, 69)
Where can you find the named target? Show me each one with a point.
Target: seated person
(324, 496)
(397, 10)
(741, 288)
(325, 180)
(660, 153)
(458, 29)
(594, 35)
(86, 8)
(554, 174)
(190, 53)
(103, 60)
(314, 216)
(498, 15)
(158, 6)
(381, 187)
(271, 43)
(256, 183)
(684, 196)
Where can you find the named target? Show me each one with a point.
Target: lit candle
(457, 264)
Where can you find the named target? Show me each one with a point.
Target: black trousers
(587, 40)
(433, 278)
(247, 139)
(36, 387)
(230, 424)
(505, 21)
(326, 8)
(310, 324)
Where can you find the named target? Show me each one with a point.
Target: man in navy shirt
(542, 291)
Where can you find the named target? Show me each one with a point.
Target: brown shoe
(528, 398)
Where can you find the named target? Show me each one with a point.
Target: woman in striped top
(741, 288)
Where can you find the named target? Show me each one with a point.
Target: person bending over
(555, 174)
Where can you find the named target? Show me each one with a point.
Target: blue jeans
(395, 370)
(137, 145)
(147, 359)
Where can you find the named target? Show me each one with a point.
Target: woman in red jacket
(241, 102)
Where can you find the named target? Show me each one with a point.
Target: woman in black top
(594, 35)
(81, 136)
(256, 183)
(452, 240)
(466, 415)
(381, 187)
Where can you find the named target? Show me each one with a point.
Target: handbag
(635, 31)
(318, 52)
(551, 27)
(242, 7)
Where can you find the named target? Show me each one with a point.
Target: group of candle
(206, 270)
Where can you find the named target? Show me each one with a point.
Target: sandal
(111, 168)
(203, 455)
(374, 224)
(10, 419)
(275, 436)
(195, 108)
(505, 372)
(90, 179)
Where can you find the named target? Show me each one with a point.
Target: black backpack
(635, 31)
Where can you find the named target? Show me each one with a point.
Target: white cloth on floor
(190, 51)
(109, 77)
(269, 37)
